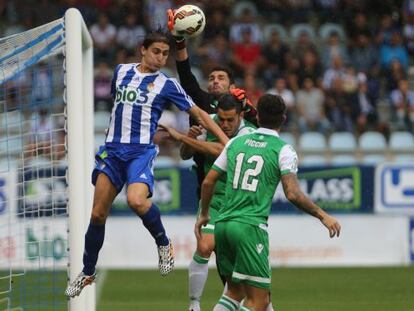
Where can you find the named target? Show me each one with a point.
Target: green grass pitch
(293, 289)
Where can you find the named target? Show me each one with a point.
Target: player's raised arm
(211, 148)
(180, 44)
(202, 118)
(295, 195)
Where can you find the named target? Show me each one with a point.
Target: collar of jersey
(142, 73)
(265, 131)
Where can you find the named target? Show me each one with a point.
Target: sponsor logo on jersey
(131, 96)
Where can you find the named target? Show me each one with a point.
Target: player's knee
(139, 206)
(260, 303)
(204, 249)
(266, 301)
(98, 216)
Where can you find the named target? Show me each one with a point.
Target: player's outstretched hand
(170, 24)
(202, 220)
(170, 16)
(195, 131)
(240, 94)
(174, 134)
(332, 224)
(248, 107)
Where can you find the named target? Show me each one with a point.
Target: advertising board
(394, 192)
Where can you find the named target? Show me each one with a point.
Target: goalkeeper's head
(220, 80)
(154, 50)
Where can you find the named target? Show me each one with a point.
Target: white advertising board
(34, 243)
(394, 188)
(294, 241)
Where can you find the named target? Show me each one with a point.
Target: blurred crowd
(340, 65)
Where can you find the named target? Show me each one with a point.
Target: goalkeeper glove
(240, 94)
(248, 107)
(179, 40)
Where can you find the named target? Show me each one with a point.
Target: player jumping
(140, 92)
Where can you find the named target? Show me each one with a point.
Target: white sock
(197, 276)
(226, 304)
(269, 307)
(225, 289)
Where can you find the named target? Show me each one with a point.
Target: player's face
(154, 57)
(218, 83)
(229, 121)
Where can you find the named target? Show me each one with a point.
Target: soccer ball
(189, 21)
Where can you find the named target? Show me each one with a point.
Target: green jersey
(254, 164)
(244, 128)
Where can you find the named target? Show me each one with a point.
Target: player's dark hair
(156, 36)
(228, 102)
(227, 71)
(271, 111)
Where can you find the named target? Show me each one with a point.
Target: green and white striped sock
(226, 304)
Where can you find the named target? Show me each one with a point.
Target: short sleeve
(221, 162)
(288, 160)
(176, 94)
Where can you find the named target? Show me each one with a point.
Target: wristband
(180, 43)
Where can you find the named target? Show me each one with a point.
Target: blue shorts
(139, 169)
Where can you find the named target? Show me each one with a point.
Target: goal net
(46, 120)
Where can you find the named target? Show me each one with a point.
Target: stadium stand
(313, 160)
(326, 29)
(288, 138)
(342, 142)
(280, 29)
(312, 142)
(372, 142)
(343, 159)
(401, 141)
(346, 105)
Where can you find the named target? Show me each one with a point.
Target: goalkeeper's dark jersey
(206, 101)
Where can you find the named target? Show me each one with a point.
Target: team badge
(259, 247)
(150, 87)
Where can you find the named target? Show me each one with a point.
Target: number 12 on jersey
(249, 182)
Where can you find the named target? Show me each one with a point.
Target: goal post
(80, 140)
(46, 160)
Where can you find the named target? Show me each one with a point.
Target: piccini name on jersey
(255, 144)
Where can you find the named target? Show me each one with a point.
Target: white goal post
(80, 140)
